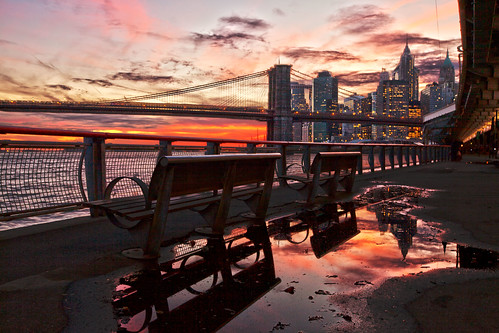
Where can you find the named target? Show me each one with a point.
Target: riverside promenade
(43, 267)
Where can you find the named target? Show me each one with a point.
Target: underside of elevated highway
(477, 103)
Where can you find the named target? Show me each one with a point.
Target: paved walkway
(37, 265)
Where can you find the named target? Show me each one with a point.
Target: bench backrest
(332, 161)
(196, 174)
(342, 166)
(183, 175)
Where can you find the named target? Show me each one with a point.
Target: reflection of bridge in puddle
(390, 243)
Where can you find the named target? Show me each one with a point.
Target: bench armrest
(143, 187)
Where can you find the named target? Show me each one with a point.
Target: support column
(360, 162)
(381, 158)
(212, 148)
(165, 148)
(280, 128)
(392, 157)
(95, 170)
(370, 158)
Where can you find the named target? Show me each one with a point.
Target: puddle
(311, 263)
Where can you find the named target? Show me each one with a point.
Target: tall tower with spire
(406, 71)
(447, 72)
(447, 81)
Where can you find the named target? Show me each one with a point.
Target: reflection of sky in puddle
(390, 243)
(369, 257)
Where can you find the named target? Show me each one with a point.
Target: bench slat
(186, 182)
(182, 203)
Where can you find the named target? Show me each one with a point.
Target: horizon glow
(105, 49)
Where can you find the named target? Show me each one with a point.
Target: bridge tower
(280, 127)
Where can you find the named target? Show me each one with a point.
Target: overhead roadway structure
(478, 98)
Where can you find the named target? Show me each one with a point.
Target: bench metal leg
(220, 258)
(259, 235)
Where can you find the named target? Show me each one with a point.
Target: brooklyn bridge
(262, 96)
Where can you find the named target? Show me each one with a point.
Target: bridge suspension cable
(302, 76)
(249, 90)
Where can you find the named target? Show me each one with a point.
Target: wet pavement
(381, 279)
(382, 242)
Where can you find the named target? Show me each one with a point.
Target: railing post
(412, 153)
(306, 159)
(381, 157)
(212, 148)
(400, 157)
(392, 157)
(251, 148)
(165, 148)
(281, 165)
(420, 154)
(370, 158)
(360, 162)
(95, 170)
(407, 156)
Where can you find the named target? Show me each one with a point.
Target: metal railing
(44, 177)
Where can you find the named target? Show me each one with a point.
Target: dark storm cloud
(59, 86)
(224, 38)
(361, 19)
(131, 76)
(354, 79)
(247, 23)
(322, 55)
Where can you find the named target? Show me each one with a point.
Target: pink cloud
(129, 15)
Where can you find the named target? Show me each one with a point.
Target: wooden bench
(333, 172)
(204, 183)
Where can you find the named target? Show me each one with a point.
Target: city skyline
(108, 49)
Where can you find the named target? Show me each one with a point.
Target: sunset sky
(101, 49)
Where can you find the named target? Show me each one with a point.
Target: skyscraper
(392, 100)
(438, 95)
(325, 92)
(298, 99)
(447, 72)
(300, 102)
(325, 99)
(431, 98)
(447, 81)
(406, 71)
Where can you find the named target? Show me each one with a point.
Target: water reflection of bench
(328, 236)
(326, 233)
(333, 173)
(147, 299)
